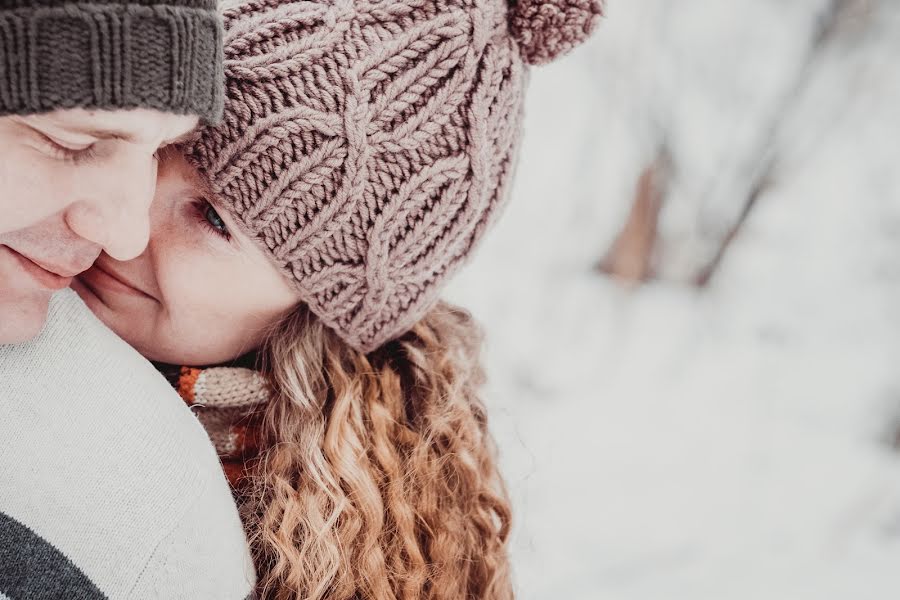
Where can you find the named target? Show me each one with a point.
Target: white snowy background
(720, 422)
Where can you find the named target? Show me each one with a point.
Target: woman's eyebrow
(184, 137)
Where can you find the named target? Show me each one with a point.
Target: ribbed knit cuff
(164, 55)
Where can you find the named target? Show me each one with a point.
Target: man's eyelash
(76, 157)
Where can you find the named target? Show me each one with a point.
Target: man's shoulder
(100, 456)
(79, 367)
(76, 358)
(71, 339)
(79, 380)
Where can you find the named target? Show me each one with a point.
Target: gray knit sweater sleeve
(109, 486)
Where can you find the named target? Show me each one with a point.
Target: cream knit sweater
(109, 486)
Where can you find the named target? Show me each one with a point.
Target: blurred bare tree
(725, 196)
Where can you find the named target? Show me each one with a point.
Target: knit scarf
(228, 402)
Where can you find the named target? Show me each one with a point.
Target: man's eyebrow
(106, 134)
(124, 136)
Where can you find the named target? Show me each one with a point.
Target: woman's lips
(99, 277)
(47, 279)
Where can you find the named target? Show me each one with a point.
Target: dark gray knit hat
(111, 54)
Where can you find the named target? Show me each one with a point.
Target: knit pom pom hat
(368, 144)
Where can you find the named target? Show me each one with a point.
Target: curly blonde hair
(379, 478)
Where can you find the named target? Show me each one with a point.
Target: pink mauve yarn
(547, 29)
(368, 145)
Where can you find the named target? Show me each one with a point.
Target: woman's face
(201, 293)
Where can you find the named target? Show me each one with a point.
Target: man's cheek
(30, 193)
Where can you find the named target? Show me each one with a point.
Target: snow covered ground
(728, 442)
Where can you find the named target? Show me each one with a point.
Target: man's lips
(47, 277)
(101, 276)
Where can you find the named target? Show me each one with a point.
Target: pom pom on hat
(547, 29)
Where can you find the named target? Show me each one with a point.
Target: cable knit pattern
(368, 145)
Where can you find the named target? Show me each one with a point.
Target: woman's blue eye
(209, 218)
(215, 220)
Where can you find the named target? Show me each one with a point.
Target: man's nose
(116, 216)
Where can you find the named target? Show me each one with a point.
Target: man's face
(72, 184)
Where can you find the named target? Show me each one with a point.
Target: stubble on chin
(23, 304)
(22, 314)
